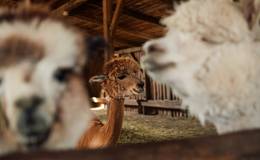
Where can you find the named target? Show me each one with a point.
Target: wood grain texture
(236, 146)
(138, 22)
(68, 6)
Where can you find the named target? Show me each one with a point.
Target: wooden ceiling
(137, 20)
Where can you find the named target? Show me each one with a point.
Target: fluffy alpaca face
(195, 32)
(121, 78)
(41, 62)
(171, 55)
(124, 77)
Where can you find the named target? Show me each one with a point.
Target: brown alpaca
(120, 79)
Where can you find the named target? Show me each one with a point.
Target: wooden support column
(116, 16)
(107, 18)
(110, 21)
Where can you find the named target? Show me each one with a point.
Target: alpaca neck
(114, 122)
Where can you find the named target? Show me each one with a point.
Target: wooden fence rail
(236, 146)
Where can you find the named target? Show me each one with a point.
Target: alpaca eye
(205, 40)
(61, 75)
(208, 41)
(1, 81)
(121, 76)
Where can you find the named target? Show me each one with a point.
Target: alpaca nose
(140, 84)
(30, 122)
(155, 48)
(29, 105)
(34, 128)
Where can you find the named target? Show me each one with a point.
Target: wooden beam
(142, 16)
(107, 18)
(117, 41)
(133, 33)
(67, 7)
(137, 34)
(116, 16)
(235, 146)
(163, 104)
(135, 14)
(129, 50)
(138, 16)
(140, 35)
(80, 22)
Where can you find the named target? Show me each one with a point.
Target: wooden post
(148, 90)
(158, 91)
(168, 90)
(155, 90)
(110, 22)
(116, 16)
(165, 92)
(107, 18)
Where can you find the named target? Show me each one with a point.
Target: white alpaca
(42, 91)
(210, 59)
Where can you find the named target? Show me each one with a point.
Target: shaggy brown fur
(114, 68)
(102, 135)
(19, 49)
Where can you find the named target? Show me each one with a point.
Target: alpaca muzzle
(31, 125)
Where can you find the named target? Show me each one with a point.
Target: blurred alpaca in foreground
(210, 56)
(43, 97)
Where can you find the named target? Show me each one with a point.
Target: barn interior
(126, 25)
(156, 114)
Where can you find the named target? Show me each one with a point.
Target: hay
(142, 129)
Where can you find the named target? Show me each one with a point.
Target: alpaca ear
(250, 9)
(256, 24)
(98, 79)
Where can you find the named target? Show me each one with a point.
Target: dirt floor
(140, 128)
